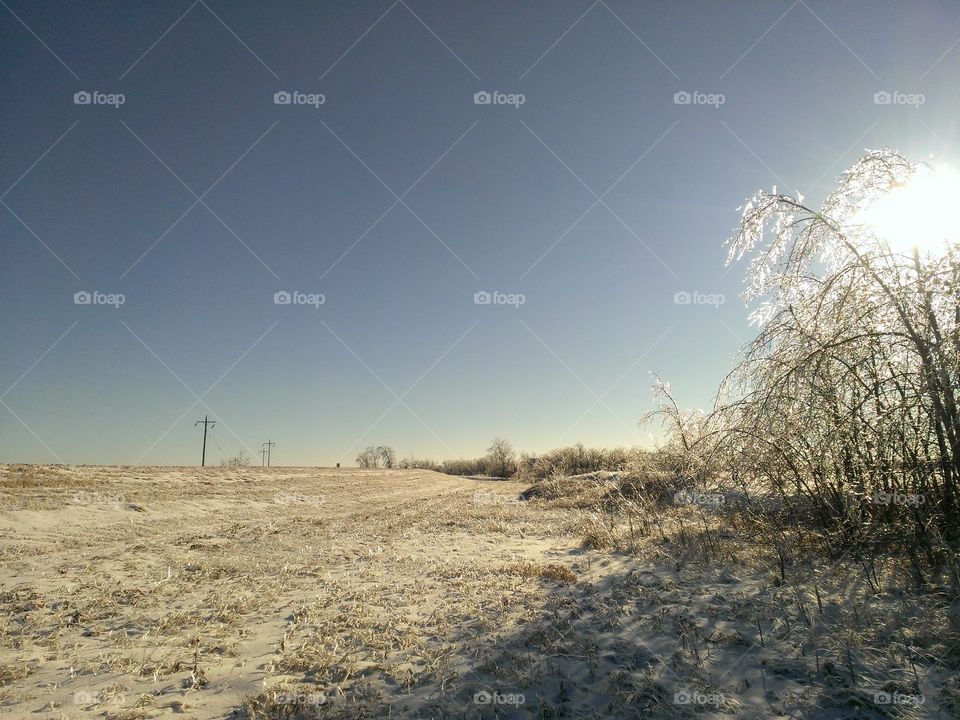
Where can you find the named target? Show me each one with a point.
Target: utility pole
(205, 422)
(263, 457)
(269, 445)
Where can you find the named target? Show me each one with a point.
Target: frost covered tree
(376, 457)
(385, 456)
(501, 456)
(846, 401)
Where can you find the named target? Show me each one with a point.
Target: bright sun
(922, 213)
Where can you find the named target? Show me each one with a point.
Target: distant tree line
(502, 461)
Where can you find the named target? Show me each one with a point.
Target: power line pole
(269, 445)
(205, 422)
(263, 457)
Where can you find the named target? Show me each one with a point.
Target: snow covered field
(307, 592)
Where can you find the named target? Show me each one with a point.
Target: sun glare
(919, 214)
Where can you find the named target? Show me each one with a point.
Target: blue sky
(398, 198)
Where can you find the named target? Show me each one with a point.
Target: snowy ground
(308, 592)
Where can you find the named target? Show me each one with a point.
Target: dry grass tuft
(546, 571)
(12, 672)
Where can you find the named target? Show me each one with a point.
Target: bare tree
(241, 459)
(386, 456)
(501, 456)
(367, 458)
(374, 457)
